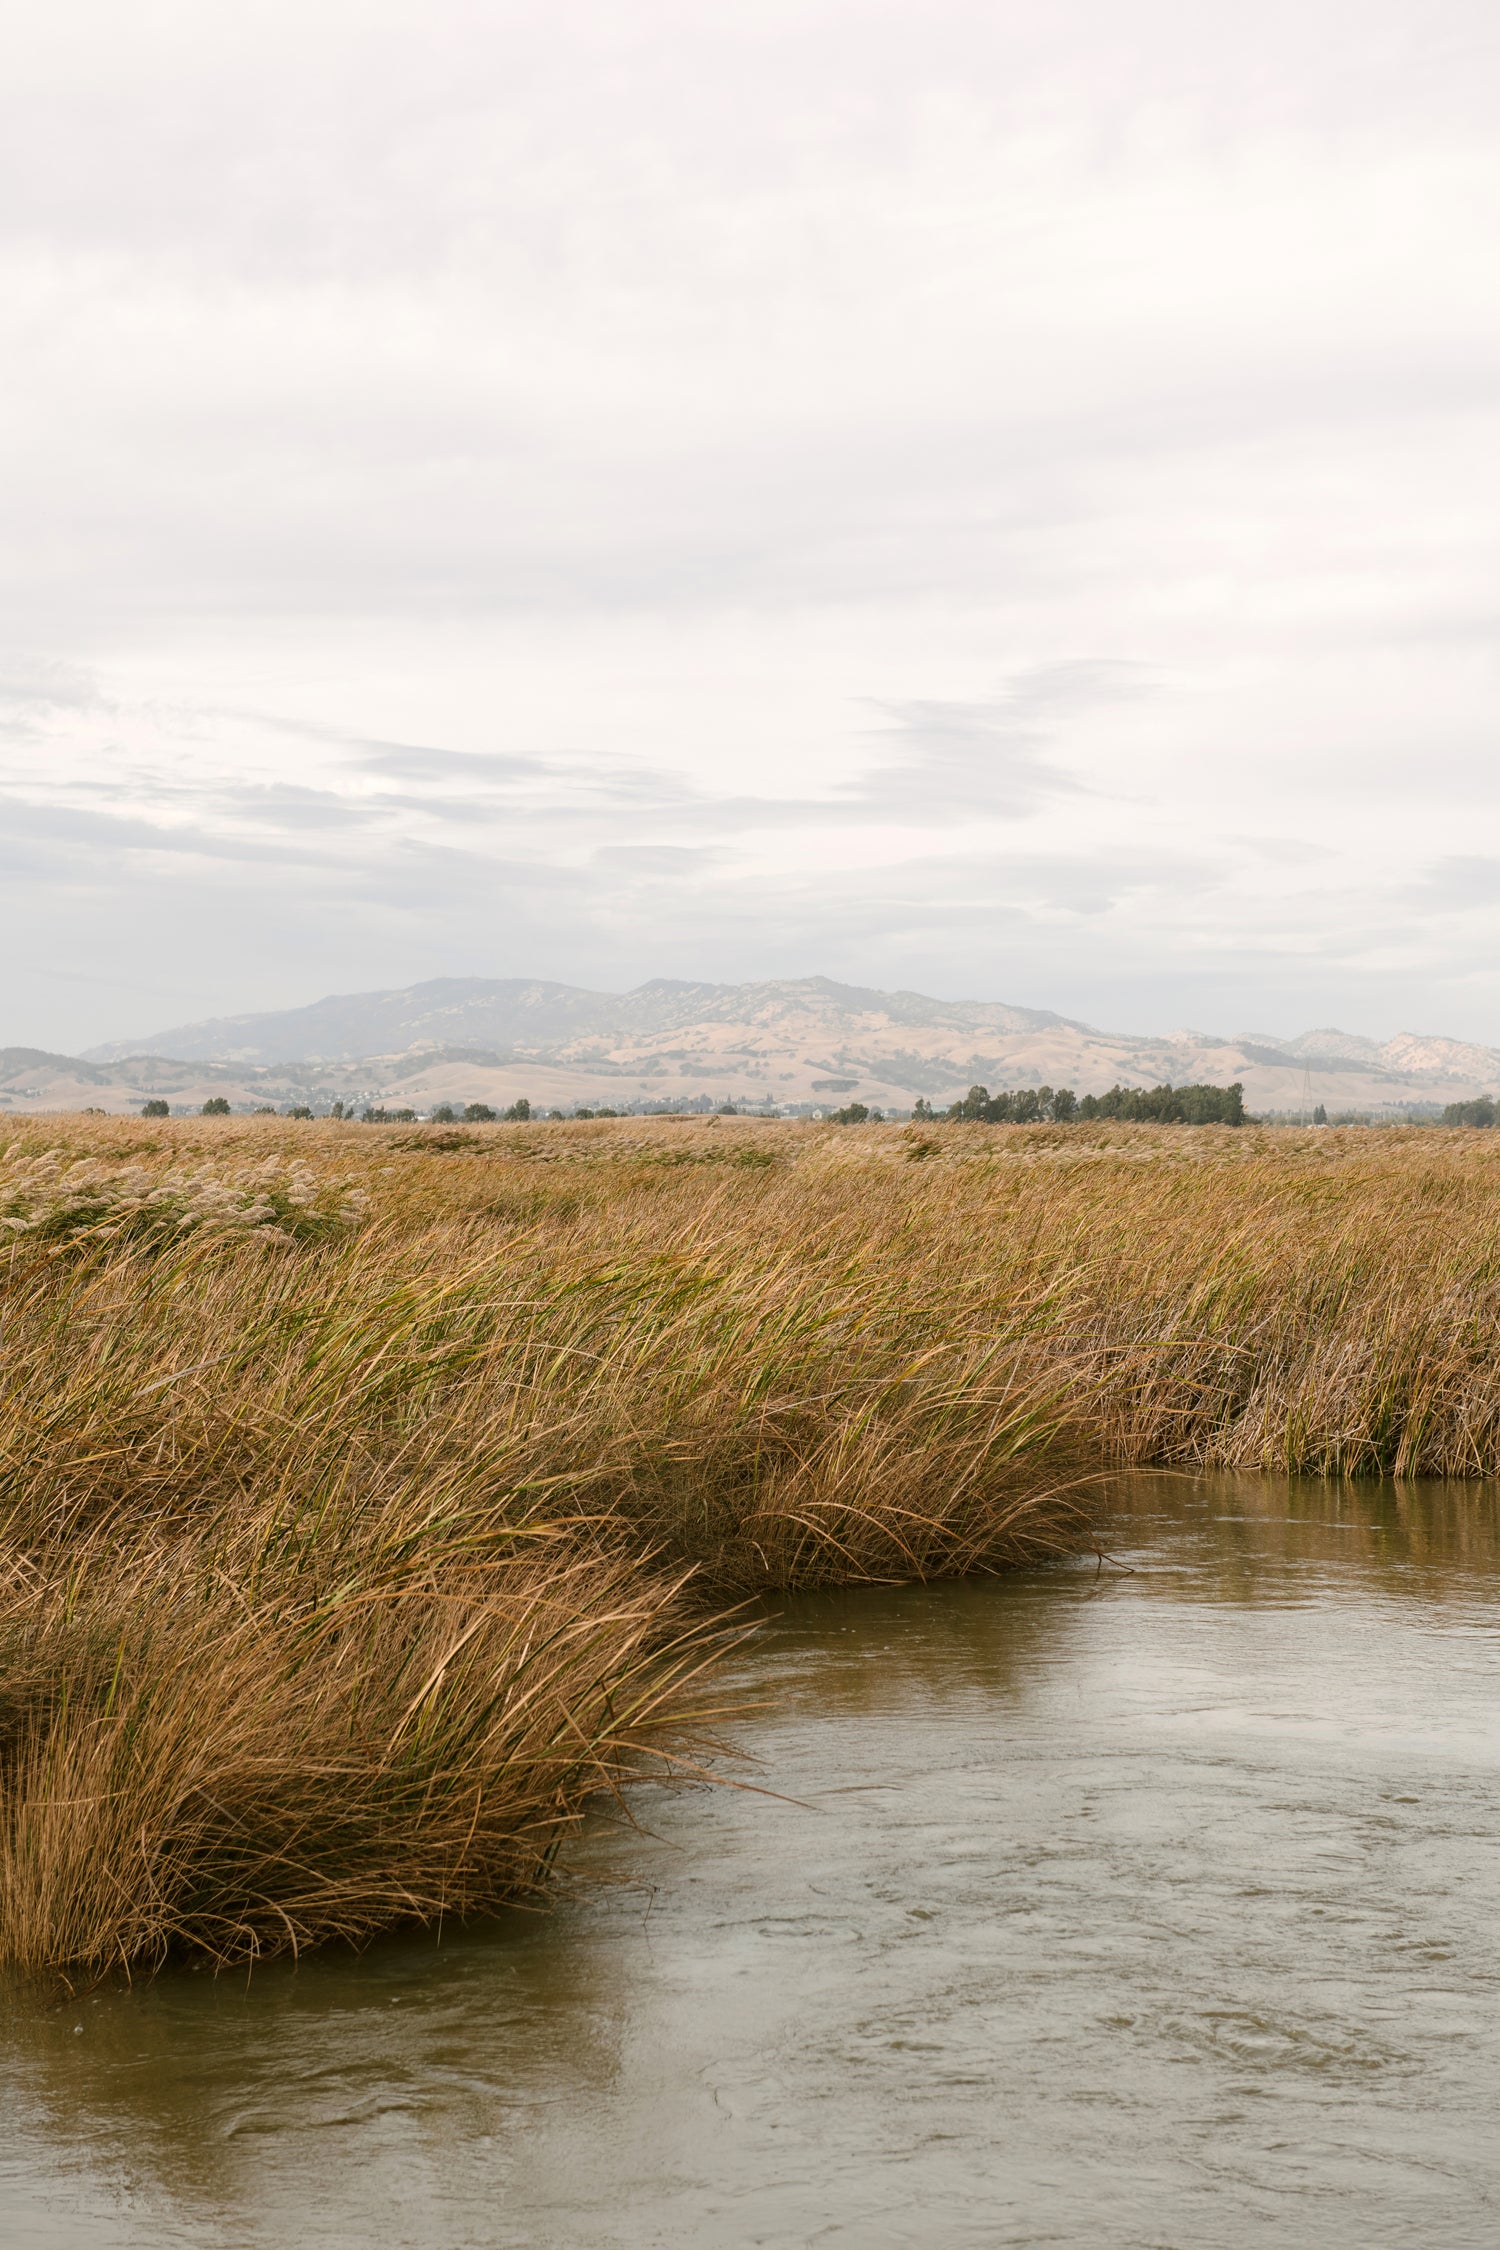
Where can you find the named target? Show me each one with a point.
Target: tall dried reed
(346, 1544)
(342, 1567)
(208, 1744)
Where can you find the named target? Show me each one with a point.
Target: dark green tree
(1168, 1105)
(215, 1106)
(1024, 1105)
(973, 1109)
(155, 1109)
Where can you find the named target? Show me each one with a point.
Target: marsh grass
(342, 1562)
(207, 1750)
(57, 1197)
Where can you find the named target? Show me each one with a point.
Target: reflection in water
(1150, 1905)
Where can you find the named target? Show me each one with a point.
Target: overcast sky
(991, 498)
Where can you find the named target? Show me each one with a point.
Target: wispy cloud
(412, 762)
(977, 498)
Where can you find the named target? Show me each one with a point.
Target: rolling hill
(788, 1042)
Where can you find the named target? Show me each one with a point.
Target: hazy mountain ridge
(533, 1016)
(16, 1061)
(787, 1041)
(1412, 1052)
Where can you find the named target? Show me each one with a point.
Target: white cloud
(981, 497)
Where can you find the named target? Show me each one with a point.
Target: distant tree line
(1023, 1105)
(476, 1113)
(473, 1113)
(1480, 1112)
(1059, 1105)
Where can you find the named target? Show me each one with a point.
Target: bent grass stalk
(349, 1546)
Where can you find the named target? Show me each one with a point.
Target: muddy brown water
(1155, 1906)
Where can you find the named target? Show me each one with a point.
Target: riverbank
(1135, 1906)
(370, 1493)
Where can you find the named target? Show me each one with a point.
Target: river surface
(1154, 1907)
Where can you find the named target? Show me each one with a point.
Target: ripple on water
(1151, 1908)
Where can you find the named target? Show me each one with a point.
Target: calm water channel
(1155, 1907)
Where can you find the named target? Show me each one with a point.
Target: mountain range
(792, 1042)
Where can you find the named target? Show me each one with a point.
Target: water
(1154, 1906)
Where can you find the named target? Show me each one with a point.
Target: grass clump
(55, 1196)
(363, 1511)
(335, 1581)
(221, 1751)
